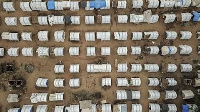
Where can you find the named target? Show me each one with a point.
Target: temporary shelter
(122, 67)
(59, 109)
(170, 94)
(186, 17)
(153, 107)
(58, 5)
(38, 5)
(171, 68)
(9, 6)
(121, 35)
(135, 82)
(105, 51)
(43, 51)
(122, 82)
(13, 51)
(105, 19)
(169, 18)
(183, 3)
(72, 108)
(122, 51)
(153, 82)
(59, 51)
(74, 51)
(12, 98)
(106, 108)
(136, 95)
(106, 82)
(91, 51)
(154, 95)
(74, 36)
(57, 20)
(42, 82)
(14, 110)
(59, 69)
(74, 82)
(171, 34)
(120, 108)
(186, 68)
(90, 36)
(137, 3)
(152, 19)
(59, 36)
(136, 67)
(103, 36)
(121, 95)
(185, 49)
(152, 35)
(75, 20)
(122, 18)
(98, 68)
(27, 36)
(187, 94)
(43, 35)
(43, 20)
(74, 68)
(136, 50)
(27, 108)
(136, 108)
(137, 35)
(121, 4)
(197, 82)
(89, 20)
(168, 50)
(42, 108)
(10, 36)
(167, 3)
(185, 35)
(171, 81)
(38, 97)
(154, 49)
(26, 21)
(169, 108)
(74, 5)
(56, 97)
(153, 3)
(25, 6)
(59, 82)
(151, 67)
(136, 18)
(11, 21)
(1, 52)
(27, 51)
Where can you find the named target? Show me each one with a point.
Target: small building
(167, 3)
(136, 18)
(185, 35)
(170, 94)
(105, 19)
(10, 36)
(186, 67)
(135, 82)
(1, 52)
(166, 50)
(169, 108)
(151, 35)
(136, 50)
(121, 4)
(136, 67)
(98, 68)
(13, 98)
(120, 108)
(153, 3)
(185, 49)
(11, 21)
(136, 95)
(75, 20)
(122, 82)
(171, 35)
(187, 94)
(42, 20)
(171, 68)
(185, 17)
(106, 108)
(59, 108)
(122, 18)
(121, 95)
(73, 108)
(14, 110)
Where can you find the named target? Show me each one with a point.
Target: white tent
(137, 35)
(185, 49)
(43, 51)
(121, 35)
(121, 4)
(13, 51)
(170, 94)
(171, 81)
(42, 108)
(183, 3)
(98, 68)
(152, 34)
(75, 20)
(153, 19)
(153, 82)
(74, 5)
(187, 94)
(135, 81)
(74, 82)
(103, 36)
(59, 69)
(59, 82)
(136, 18)
(42, 82)
(171, 68)
(56, 97)
(186, 68)
(89, 36)
(59, 20)
(151, 67)
(74, 51)
(153, 107)
(43, 20)
(72, 108)
(136, 50)
(25, 21)
(167, 3)
(122, 51)
(27, 36)
(105, 19)
(38, 97)
(27, 51)
(106, 108)
(9, 6)
(106, 82)
(10, 36)
(59, 109)
(121, 95)
(43, 35)
(185, 35)
(38, 5)
(154, 95)
(122, 18)
(89, 19)
(58, 51)
(27, 108)
(59, 36)
(169, 18)
(136, 95)
(136, 67)
(168, 50)
(171, 34)
(137, 3)
(58, 5)
(74, 36)
(11, 21)
(136, 108)
(122, 67)
(153, 3)
(122, 82)
(14, 110)
(172, 108)
(91, 51)
(186, 17)
(13, 98)
(25, 6)
(1, 51)
(74, 68)
(105, 51)
(154, 49)
(120, 108)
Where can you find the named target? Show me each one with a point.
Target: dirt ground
(91, 82)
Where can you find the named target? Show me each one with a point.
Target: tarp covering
(136, 50)
(13, 51)
(185, 108)
(51, 5)
(122, 50)
(122, 82)
(196, 16)
(170, 94)
(38, 97)
(59, 69)
(136, 108)
(122, 67)
(153, 82)
(91, 51)
(106, 82)
(106, 108)
(89, 36)
(121, 95)
(97, 4)
(25, 6)
(43, 51)
(74, 82)
(42, 82)
(136, 67)
(105, 51)
(13, 98)
(74, 68)
(56, 97)
(59, 82)
(42, 108)
(14, 110)
(9, 6)
(27, 108)
(187, 94)
(98, 68)
(153, 3)
(186, 16)
(74, 51)
(122, 18)
(136, 95)
(137, 3)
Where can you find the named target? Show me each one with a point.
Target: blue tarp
(97, 4)
(185, 108)
(196, 16)
(51, 5)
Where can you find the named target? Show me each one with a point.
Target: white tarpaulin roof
(43, 20)
(151, 67)
(43, 35)
(171, 81)
(58, 5)
(12, 98)
(170, 94)
(9, 6)
(153, 49)
(90, 36)
(152, 34)
(59, 36)
(120, 108)
(186, 16)
(153, 19)
(136, 67)
(122, 50)
(154, 95)
(171, 68)
(187, 94)
(1, 51)
(122, 67)
(137, 3)
(74, 51)
(27, 51)
(136, 95)
(122, 82)
(11, 21)
(136, 108)
(168, 50)
(153, 3)
(59, 82)
(43, 51)
(75, 19)
(103, 36)
(27, 108)
(74, 68)
(74, 5)
(98, 68)
(59, 109)
(183, 3)
(38, 5)
(106, 82)
(121, 4)
(106, 108)
(185, 49)
(13, 51)
(59, 69)
(137, 35)
(25, 21)
(59, 51)
(185, 35)
(169, 18)
(172, 108)
(153, 107)
(89, 19)
(105, 51)
(42, 108)
(74, 36)
(74, 82)
(105, 19)
(42, 82)
(38, 97)
(10, 36)
(136, 50)
(56, 97)
(122, 18)
(171, 35)
(136, 18)
(91, 51)
(186, 68)
(25, 6)
(26, 36)
(121, 35)
(153, 82)
(56, 20)
(72, 108)
(121, 95)
(167, 3)
(14, 110)
(135, 81)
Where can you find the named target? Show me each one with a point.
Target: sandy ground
(92, 82)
